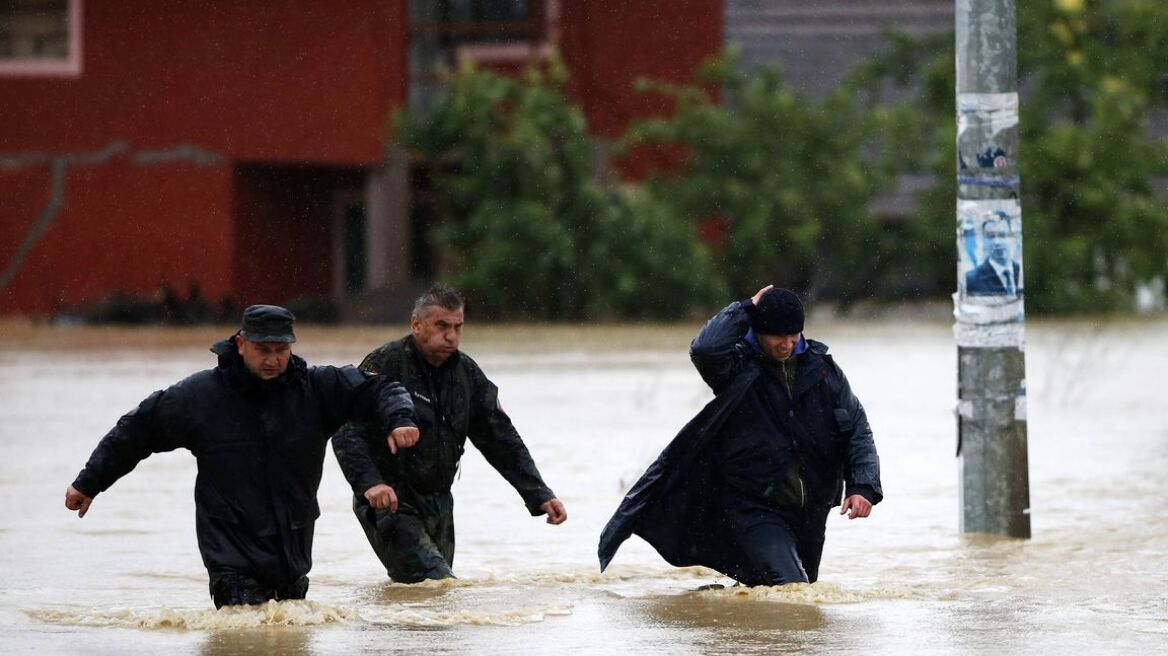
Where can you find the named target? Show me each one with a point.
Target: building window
(443, 30)
(40, 37)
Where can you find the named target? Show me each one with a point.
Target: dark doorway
(354, 247)
(425, 214)
(284, 231)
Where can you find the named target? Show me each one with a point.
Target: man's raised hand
(760, 293)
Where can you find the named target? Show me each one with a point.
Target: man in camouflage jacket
(402, 499)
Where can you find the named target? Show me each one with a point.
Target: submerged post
(988, 306)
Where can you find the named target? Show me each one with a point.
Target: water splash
(293, 613)
(273, 613)
(816, 594)
(439, 584)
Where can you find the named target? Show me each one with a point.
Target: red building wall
(204, 85)
(283, 245)
(200, 99)
(609, 44)
(168, 223)
(297, 80)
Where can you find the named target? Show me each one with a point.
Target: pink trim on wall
(70, 67)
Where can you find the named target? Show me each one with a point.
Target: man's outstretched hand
(402, 438)
(76, 500)
(555, 511)
(382, 496)
(858, 505)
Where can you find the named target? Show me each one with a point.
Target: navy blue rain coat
(260, 447)
(677, 504)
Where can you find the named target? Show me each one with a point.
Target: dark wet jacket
(677, 505)
(453, 402)
(260, 450)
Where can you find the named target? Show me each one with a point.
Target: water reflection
(704, 610)
(732, 623)
(286, 641)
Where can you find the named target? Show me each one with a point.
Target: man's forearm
(395, 409)
(505, 451)
(123, 447)
(355, 456)
(714, 351)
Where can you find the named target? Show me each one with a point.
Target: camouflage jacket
(452, 402)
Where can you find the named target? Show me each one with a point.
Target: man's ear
(238, 339)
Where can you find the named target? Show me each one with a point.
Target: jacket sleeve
(861, 462)
(354, 452)
(349, 393)
(354, 442)
(493, 434)
(717, 351)
(155, 426)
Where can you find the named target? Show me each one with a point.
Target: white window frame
(68, 67)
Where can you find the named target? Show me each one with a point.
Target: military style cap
(268, 323)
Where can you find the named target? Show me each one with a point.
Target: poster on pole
(987, 142)
(991, 283)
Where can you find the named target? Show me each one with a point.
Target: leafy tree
(530, 233)
(649, 263)
(789, 178)
(1091, 77)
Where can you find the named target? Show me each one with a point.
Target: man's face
(267, 360)
(997, 241)
(437, 333)
(779, 347)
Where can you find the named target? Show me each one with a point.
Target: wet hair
(438, 295)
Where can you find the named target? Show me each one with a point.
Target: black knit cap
(267, 323)
(779, 312)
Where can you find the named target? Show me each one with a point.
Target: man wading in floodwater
(403, 501)
(745, 488)
(257, 425)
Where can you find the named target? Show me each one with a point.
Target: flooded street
(595, 406)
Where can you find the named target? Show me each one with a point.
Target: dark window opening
(438, 29)
(40, 37)
(34, 29)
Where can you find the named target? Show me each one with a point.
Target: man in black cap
(257, 425)
(746, 487)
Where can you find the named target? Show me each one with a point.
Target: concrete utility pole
(988, 306)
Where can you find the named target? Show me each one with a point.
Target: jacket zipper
(794, 440)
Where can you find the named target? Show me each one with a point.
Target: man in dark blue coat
(746, 486)
(257, 425)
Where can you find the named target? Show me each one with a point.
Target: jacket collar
(232, 367)
(412, 349)
(752, 340)
(811, 367)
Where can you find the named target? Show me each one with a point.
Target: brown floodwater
(595, 405)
